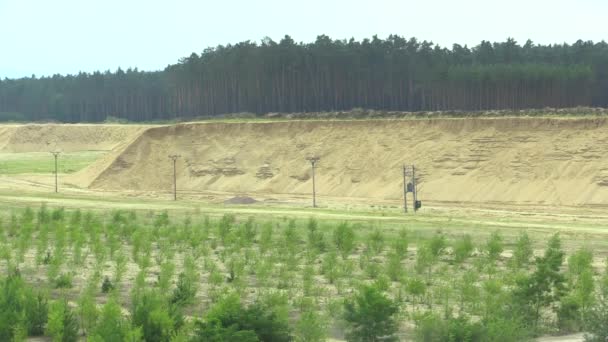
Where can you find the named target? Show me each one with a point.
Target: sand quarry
(463, 164)
(549, 162)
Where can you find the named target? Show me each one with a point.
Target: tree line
(326, 75)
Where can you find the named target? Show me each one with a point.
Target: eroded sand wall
(518, 160)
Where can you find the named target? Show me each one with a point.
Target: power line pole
(414, 188)
(56, 155)
(313, 163)
(405, 188)
(174, 157)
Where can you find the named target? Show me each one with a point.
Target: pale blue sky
(44, 37)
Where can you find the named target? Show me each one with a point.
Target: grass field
(42, 162)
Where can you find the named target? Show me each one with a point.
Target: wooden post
(313, 163)
(414, 188)
(405, 189)
(174, 158)
(56, 155)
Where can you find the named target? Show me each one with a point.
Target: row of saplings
(155, 317)
(369, 315)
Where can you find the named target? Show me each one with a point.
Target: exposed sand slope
(84, 177)
(6, 132)
(65, 138)
(521, 160)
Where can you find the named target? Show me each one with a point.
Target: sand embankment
(549, 161)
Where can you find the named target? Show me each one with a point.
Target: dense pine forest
(391, 74)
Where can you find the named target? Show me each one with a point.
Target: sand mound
(240, 200)
(520, 160)
(65, 138)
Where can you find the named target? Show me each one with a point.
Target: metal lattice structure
(410, 184)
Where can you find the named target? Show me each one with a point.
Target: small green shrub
(330, 268)
(112, 326)
(248, 231)
(107, 285)
(229, 320)
(463, 248)
(523, 251)
(584, 293)
(494, 246)
(161, 220)
(36, 313)
(401, 243)
(394, 269)
(167, 270)
(568, 315)
(312, 326)
(437, 244)
(266, 237)
(597, 322)
(291, 238)
(344, 239)
(62, 324)
(63, 281)
(425, 259)
(370, 316)
(22, 311)
(308, 280)
(156, 317)
(225, 227)
(184, 292)
(316, 239)
(87, 310)
(47, 258)
(416, 287)
(431, 328)
(376, 241)
(544, 287)
(580, 261)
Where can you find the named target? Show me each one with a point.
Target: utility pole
(174, 157)
(56, 155)
(313, 163)
(404, 188)
(414, 188)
